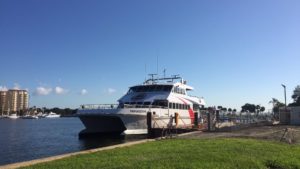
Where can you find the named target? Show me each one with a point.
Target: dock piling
(196, 120)
(149, 124)
(176, 119)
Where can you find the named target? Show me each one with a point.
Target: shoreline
(53, 158)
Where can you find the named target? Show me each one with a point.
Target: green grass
(189, 153)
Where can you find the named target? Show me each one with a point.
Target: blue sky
(232, 52)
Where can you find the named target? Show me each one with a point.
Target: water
(28, 139)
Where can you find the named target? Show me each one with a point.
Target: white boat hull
(127, 121)
(13, 116)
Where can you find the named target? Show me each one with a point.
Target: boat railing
(99, 106)
(142, 106)
(114, 106)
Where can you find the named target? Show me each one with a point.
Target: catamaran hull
(100, 124)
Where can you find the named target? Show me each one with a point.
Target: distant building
(290, 116)
(13, 101)
(284, 115)
(295, 115)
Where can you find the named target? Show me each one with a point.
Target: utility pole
(284, 87)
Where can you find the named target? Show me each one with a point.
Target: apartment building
(13, 101)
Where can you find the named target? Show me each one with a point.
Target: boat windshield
(151, 88)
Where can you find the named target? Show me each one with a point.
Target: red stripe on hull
(191, 112)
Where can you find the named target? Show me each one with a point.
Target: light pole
(284, 95)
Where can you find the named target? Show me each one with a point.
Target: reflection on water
(28, 139)
(95, 142)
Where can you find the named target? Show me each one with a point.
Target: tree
(296, 97)
(224, 109)
(257, 107)
(248, 107)
(262, 109)
(276, 105)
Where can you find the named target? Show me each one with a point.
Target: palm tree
(257, 107)
(276, 104)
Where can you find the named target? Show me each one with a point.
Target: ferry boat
(161, 96)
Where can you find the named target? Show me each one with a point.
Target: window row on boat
(151, 88)
(156, 104)
(157, 88)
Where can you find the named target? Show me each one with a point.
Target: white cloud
(83, 92)
(43, 91)
(16, 86)
(111, 90)
(60, 90)
(3, 88)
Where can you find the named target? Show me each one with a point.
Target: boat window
(188, 107)
(150, 88)
(178, 90)
(146, 88)
(170, 105)
(159, 88)
(196, 107)
(139, 103)
(121, 105)
(161, 103)
(176, 105)
(167, 88)
(139, 89)
(147, 103)
(136, 89)
(131, 90)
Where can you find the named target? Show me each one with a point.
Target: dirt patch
(282, 133)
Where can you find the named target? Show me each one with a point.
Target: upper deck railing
(115, 106)
(153, 80)
(99, 106)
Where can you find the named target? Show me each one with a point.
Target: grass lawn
(189, 153)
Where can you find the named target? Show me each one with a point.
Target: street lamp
(284, 95)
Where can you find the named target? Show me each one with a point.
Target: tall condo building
(13, 101)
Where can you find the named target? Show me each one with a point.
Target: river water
(28, 139)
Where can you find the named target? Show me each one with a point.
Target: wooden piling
(149, 124)
(176, 119)
(208, 121)
(196, 122)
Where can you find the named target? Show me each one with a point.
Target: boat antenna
(157, 64)
(152, 77)
(145, 71)
(165, 73)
